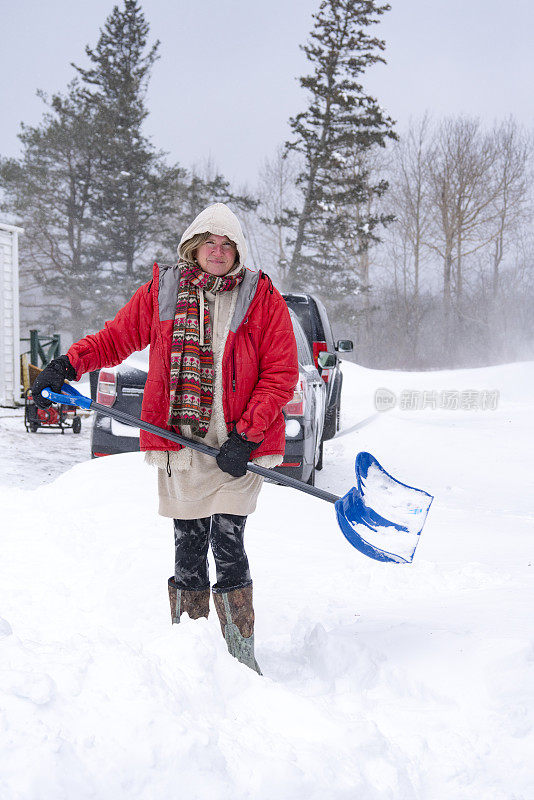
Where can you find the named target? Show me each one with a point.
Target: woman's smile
(217, 255)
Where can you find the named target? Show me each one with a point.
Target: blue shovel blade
(380, 516)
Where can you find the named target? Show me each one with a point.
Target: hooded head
(219, 220)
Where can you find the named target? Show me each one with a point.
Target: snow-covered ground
(380, 680)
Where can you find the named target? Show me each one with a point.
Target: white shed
(9, 315)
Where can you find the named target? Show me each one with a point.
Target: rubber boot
(236, 615)
(195, 602)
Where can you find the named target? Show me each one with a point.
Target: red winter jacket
(260, 368)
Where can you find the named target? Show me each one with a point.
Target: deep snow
(380, 680)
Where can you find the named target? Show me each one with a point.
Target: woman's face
(216, 255)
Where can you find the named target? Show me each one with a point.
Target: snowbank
(381, 680)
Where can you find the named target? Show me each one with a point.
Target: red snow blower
(58, 416)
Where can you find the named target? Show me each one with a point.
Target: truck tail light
(106, 392)
(320, 347)
(295, 407)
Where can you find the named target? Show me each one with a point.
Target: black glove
(52, 377)
(234, 454)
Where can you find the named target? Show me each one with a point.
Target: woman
(223, 363)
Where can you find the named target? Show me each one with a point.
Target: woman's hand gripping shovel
(380, 516)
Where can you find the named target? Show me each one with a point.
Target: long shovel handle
(72, 397)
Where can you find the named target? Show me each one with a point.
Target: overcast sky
(226, 84)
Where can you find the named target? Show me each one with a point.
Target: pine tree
(341, 124)
(50, 191)
(95, 198)
(135, 199)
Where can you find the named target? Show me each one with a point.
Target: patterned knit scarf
(191, 396)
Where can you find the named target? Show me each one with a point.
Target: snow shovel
(380, 516)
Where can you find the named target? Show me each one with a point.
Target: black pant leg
(191, 537)
(227, 543)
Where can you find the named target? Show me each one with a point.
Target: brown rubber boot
(236, 615)
(195, 602)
